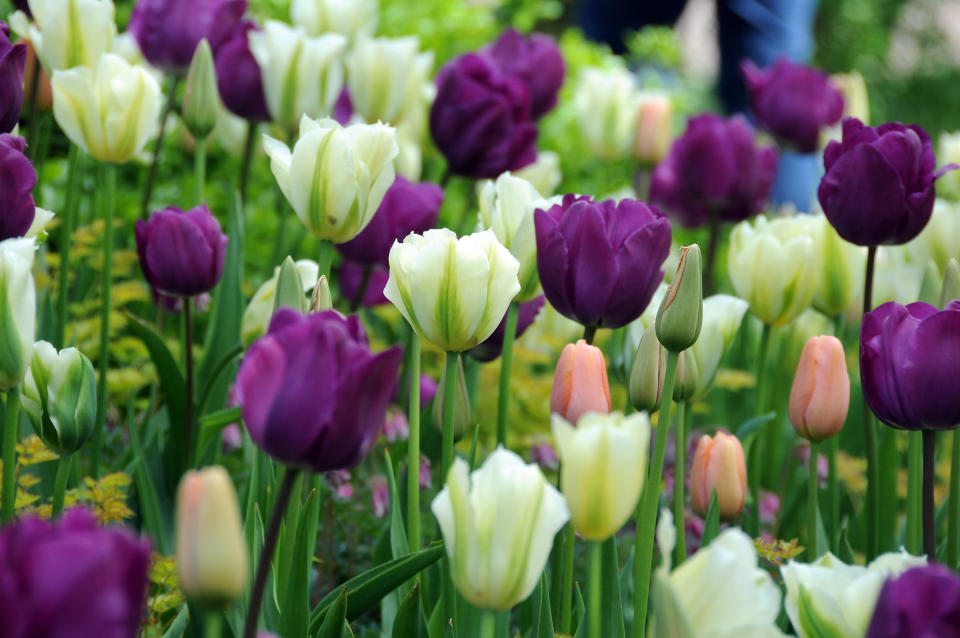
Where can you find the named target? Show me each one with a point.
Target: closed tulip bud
(605, 101)
(604, 460)
(322, 299)
(290, 292)
(211, 551)
(60, 397)
(580, 382)
(69, 33)
(18, 310)
(650, 368)
(498, 525)
(951, 283)
(653, 134)
(257, 315)
(681, 311)
(461, 403)
(335, 178)
(111, 111)
(544, 174)
(386, 77)
(349, 18)
(820, 395)
(201, 101)
(839, 269)
(454, 292)
(719, 466)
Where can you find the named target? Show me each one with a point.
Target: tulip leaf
(218, 370)
(754, 425)
(612, 609)
(212, 424)
(472, 456)
(335, 618)
(845, 551)
(399, 545)
(295, 607)
(542, 614)
(179, 624)
(435, 625)
(289, 292)
(147, 493)
(409, 620)
(579, 612)
(711, 524)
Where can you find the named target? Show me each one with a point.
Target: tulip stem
(413, 446)
(566, 582)
(872, 523)
(594, 589)
(60, 483)
(712, 240)
(106, 278)
(647, 514)
(914, 492)
(506, 362)
(65, 237)
(449, 409)
(245, 161)
(213, 624)
(929, 513)
(32, 107)
(11, 433)
(833, 494)
(172, 81)
(290, 476)
(814, 488)
(679, 485)
(199, 170)
(361, 290)
(188, 382)
(589, 332)
(953, 513)
(488, 624)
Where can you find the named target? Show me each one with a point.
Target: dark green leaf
(711, 525)
(409, 620)
(612, 604)
(179, 624)
(332, 626)
(295, 607)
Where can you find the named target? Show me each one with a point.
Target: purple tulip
(313, 394)
(878, 186)
(910, 363)
(599, 263)
(480, 119)
(714, 169)
(343, 107)
(537, 61)
(13, 59)
(793, 102)
(17, 179)
(406, 208)
(351, 277)
(493, 346)
(168, 31)
(238, 76)
(923, 602)
(71, 578)
(181, 253)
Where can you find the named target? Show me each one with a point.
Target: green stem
(914, 492)
(65, 237)
(679, 480)
(11, 433)
(833, 494)
(110, 185)
(888, 466)
(566, 587)
(953, 516)
(594, 590)
(755, 461)
(213, 624)
(325, 257)
(361, 290)
(32, 109)
(506, 362)
(929, 508)
(245, 161)
(413, 447)
(647, 514)
(589, 332)
(488, 624)
(449, 410)
(60, 483)
(172, 81)
(188, 383)
(199, 170)
(814, 488)
(872, 510)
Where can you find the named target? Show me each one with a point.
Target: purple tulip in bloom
(480, 119)
(910, 364)
(793, 102)
(71, 578)
(406, 208)
(313, 394)
(17, 179)
(181, 253)
(599, 263)
(238, 76)
(493, 346)
(13, 59)
(923, 602)
(714, 168)
(536, 61)
(878, 186)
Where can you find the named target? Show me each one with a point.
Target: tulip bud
(931, 285)
(544, 174)
(604, 101)
(719, 466)
(951, 283)
(257, 316)
(18, 310)
(580, 382)
(820, 395)
(211, 552)
(322, 299)
(649, 371)
(60, 397)
(461, 403)
(681, 311)
(653, 135)
(201, 101)
(289, 288)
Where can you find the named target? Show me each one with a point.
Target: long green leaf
(295, 607)
(332, 626)
(612, 604)
(543, 616)
(711, 525)
(409, 619)
(147, 493)
(179, 624)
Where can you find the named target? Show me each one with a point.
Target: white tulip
(68, 33)
(18, 309)
(60, 396)
(386, 77)
(606, 106)
(256, 317)
(940, 238)
(349, 18)
(839, 268)
(544, 174)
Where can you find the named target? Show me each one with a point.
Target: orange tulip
(820, 395)
(718, 464)
(580, 383)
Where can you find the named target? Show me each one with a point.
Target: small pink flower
(396, 427)
(769, 507)
(425, 478)
(380, 494)
(339, 480)
(544, 455)
(231, 438)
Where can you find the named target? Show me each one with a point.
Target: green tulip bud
(322, 299)
(951, 283)
(289, 288)
(681, 311)
(256, 317)
(60, 397)
(650, 369)
(201, 100)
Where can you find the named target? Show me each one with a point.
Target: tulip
(793, 102)
(480, 119)
(649, 370)
(19, 310)
(681, 312)
(718, 466)
(722, 316)
(923, 601)
(856, 100)
(771, 267)
(351, 275)
(820, 395)
(940, 238)
(537, 61)
(653, 135)
(201, 101)
(830, 598)
(16, 187)
(335, 178)
(302, 75)
(492, 347)
(349, 18)
(839, 267)
(605, 102)
(497, 566)
(580, 382)
(544, 174)
(60, 397)
(951, 283)
(256, 317)
(386, 78)
(604, 460)
(454, 292)
(239, 80)
(714, 170)
(181, 253)
(948, 150)
(878, 186)
(13, 59)
(69, 33)
(300, 386)
(211, 550)
(599, 263)
(111, 111)
(406, 208)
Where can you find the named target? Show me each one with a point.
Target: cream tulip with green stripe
(18, 310)
(69, 33)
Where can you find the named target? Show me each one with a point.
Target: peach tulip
(718, 464)
(580, 382)
(820, 395)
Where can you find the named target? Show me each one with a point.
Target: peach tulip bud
(580, 383)
(718, 464)
(820, 395)
(653, 134)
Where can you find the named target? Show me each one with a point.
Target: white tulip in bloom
(771, 266)
(60, 396)
(722, 316)
(18, 309)
(839, 265)
(948, 150)
(604, 462)
(544, 173)
(940, 238)
(302, 75)
(386, 77)
(68, 33)
(498, 525)
(606, 105)
(350, 18)
(336, 177)
(454, 292)
(830, 599)
(109, 112)
(256, 318)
